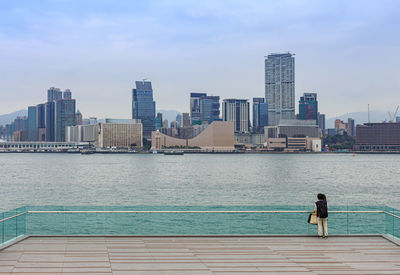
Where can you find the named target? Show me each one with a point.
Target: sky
(347, 51)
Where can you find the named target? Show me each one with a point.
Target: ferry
(173, 152)
(87, 152)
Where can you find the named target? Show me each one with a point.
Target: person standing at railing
(321, 207)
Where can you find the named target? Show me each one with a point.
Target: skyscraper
(260, 114)
(54, 94)
(144, 107)
(185, 120)
(64, 116)
(67, 94)
(350, 127)
(50, 121)
(32, 124)
(158, 121)
(308, 107)
(321, 121)
(195, 115)
(237, 110)
(280, 87)
(209, 108)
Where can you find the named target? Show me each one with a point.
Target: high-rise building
(237, 110)
(179, 119)
(67, 94)
(321, 121)
(308, 107)
(209, 108)
(397, 119)
(144, 107)
(260, 114)
(50, 121)
(32, 124)
(54, 94)
(195, 114)
(280, 87)
(41, 116)
(159, 121)
(350, 129)
(64, 116)
(185, 120)
(78, 118)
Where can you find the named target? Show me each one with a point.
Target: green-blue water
(202, 182)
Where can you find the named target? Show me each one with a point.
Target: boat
(173, 152)
(87, 152)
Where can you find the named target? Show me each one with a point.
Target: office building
(41, 121)
(209, 109)
(32, 124)
(350, 127)
(159, 121)
(64, 116)
(292, 128)
(195, 114)
(67, 94)
(78, 118)
(398, 119)
(260, 114)
(237, 110)
(280, 87)
(178, 119)
(54, 94)
(321, 121)
(378, 137)
(185, 120)
(144, 107)
(308, 107)
(50, 131)
(119, 135)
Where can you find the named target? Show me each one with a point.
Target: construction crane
(392, 118)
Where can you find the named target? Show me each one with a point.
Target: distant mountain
(8, 118)
(170, 115)
(359, 118)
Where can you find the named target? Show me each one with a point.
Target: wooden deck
(201, 255)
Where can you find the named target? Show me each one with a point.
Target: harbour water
(198, 180)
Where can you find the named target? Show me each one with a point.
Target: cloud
(218, 46)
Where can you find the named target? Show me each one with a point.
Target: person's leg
(319, 224)
(325, 224)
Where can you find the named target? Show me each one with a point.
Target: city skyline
(345, 51)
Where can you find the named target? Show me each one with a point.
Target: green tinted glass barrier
(191, 220)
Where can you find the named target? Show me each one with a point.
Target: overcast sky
(346, 51)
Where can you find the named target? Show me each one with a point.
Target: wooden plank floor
(205, 255)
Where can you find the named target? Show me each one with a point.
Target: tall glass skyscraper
(54, 94)
(308, 107)
(209, 108)
(237, 110)
(64, 116)
(32, 123)
(144, 107)
(260, 114)
(195, 114)
(280, 87)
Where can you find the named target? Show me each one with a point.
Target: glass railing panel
(21, 221)
(9, 226)
(204, 223)
(1, 229)
(46, 223)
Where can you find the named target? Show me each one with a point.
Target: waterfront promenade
(201, 255)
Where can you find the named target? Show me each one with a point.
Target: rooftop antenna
(368, 115)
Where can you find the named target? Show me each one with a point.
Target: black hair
(321, 196)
